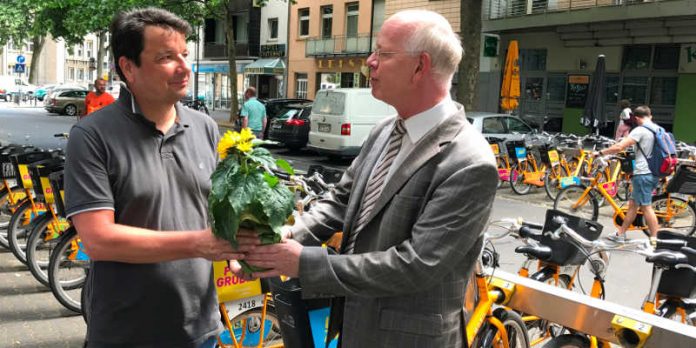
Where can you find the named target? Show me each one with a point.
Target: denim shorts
(643, 186)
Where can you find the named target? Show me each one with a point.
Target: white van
(10, 85)
(342, 118)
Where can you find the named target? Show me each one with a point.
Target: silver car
(503, 126)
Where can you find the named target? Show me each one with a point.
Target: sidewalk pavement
(222, 116)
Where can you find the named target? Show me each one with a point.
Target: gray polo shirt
(118, 160)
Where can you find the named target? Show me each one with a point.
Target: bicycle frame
(497, 292)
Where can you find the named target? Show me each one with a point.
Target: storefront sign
(272, 51)
(578, 86)
(350, 64)
(217, 68)
(687, 61)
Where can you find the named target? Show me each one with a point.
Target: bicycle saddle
(667, 258)
(541, 252)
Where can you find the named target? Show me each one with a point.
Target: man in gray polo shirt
(137, 181)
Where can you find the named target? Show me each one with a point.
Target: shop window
(326, 21)
(303, 15)
(612, 90)
(301, 86)
(556, 88)
(663, 91)
(352, 19)
(635, 89)
(534, 88)
(533, 60)
(273, 28)
(636, 57)
(666, 57)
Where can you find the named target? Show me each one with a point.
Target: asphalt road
(31, 317)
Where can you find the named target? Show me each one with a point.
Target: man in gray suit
(412, 205)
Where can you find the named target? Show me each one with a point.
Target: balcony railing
(217, 50)
(497, 9)
(338, 45)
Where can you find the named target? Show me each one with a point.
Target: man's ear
(127, 67)
(424, 65)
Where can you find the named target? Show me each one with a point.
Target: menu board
(578, 86)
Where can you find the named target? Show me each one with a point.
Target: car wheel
(71, 110)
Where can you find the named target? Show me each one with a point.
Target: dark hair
(128, 28)
(642, 111)
(624, 103)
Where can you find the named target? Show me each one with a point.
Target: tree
(470, 31)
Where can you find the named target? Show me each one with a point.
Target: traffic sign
(20, 59)
(19, 68)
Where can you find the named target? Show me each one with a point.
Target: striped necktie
(376, 182)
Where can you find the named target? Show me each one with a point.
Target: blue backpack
(663, 159)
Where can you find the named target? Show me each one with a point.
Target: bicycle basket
(564, 252)
(512, 147)
(683, 181)
(678, 282)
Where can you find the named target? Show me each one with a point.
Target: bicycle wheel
(39, 247)
(517, 172)
(514, 326)
(67, 271)
(568, 341)
(538, 329)
(5, 215)
(624, 188)
(568, 201)
(552, 180)
(18, 230)
(247, 328)
(683, 216)
(500, 163)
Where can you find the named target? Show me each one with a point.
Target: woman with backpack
(625, 125)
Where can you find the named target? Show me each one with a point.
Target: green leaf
(284, 165)
(271, 180)
(262, 157)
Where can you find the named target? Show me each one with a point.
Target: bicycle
(672, 212)
(669, 255)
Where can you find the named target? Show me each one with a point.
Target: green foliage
(245, 194)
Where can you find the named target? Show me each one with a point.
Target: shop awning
(270, 66)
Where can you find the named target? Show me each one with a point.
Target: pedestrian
(643, 181)
(253, 113)
(412, 206)
(624, 123)
(137, 179)
(98, 98)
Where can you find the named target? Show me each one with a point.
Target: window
(71, 74)
(666, 57)
(636, 57)
(89, 49)
(533, 60)
(80, 74)
(326, 21)
(612, 91)
(492, 125)
(273, 28)
(352, 19)
(303, 15)
(556, 88)
(516, 126)
(663, 91)
(534, 88)
(635, 89)
(301, 86)
(79, 50)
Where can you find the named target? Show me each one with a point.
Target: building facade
(329, 42)
(50, 67)
(650, 50)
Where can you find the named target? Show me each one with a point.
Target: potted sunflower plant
(246, 193)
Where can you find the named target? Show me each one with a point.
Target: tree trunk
(232, 61)
(470, 32)
(38, 42)
(100, 53)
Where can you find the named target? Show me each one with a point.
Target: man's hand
(213, 248)
(281, 258)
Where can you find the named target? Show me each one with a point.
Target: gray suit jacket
(405, 284)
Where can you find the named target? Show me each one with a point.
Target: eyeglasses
(381, 54)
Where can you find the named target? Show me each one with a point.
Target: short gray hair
(432, 33)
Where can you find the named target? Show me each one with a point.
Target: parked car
(56, 90)
(292, 127)
(342, 119)
(69, 102)
(502, 126)
(41, 92)
(277, 107)
(11, 86)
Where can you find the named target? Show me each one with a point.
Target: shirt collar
(420, 124)
(126, 99)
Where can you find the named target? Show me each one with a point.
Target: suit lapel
(424, 150)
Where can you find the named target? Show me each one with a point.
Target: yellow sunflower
(229, 140)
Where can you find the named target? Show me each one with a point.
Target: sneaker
(618, 238)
